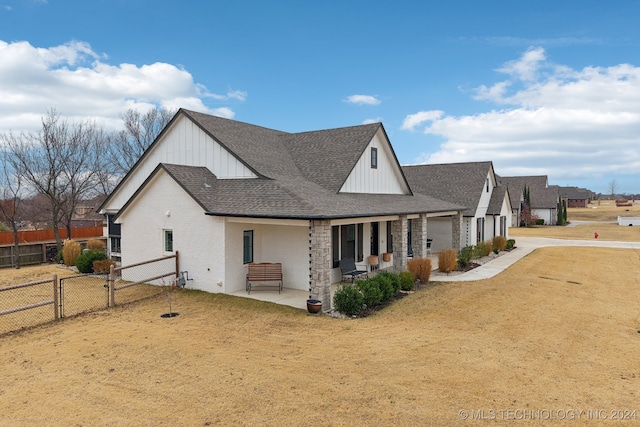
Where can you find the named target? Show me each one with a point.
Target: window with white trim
(168, 240)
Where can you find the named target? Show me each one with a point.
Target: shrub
(539, 221)
(103, 265)
(385, 284)
(70, 252)
(370, 290)
(348, 300)
(465, 256)
(483, 249)
(421, 268)
(510, 244)
(499, 243)
(394, 278)
(407, 280)
(95, 245)
(84, 262)
(447, 260)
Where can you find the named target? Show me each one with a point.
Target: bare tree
(612, 188)
(12, 193)
(140, 130)
(58, 162)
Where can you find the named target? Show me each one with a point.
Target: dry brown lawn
(604, 210)
(555, 333)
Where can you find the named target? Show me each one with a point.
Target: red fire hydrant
(595, 235)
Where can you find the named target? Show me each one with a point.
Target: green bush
(371, 293)
(510, 244)
(540, 221)
(465, 255)
(394, 279)
(385, 284)
(348, 300)
(483, 249)
(84, 262)
(407, 280)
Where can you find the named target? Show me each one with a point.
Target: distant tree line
(47, 173)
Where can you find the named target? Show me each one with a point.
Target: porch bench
(263, 273)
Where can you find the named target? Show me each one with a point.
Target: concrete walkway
(524, 246)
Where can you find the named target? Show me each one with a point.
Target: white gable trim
(386, 178)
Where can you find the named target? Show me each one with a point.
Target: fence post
(112, 287)
(56, 313)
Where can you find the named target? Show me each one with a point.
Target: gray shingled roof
(461, 183)
(325, 157)
(576, 193)
(299, 174)
(542, 195)
(497, 197)
(289, 197)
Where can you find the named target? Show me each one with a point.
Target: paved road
(524, 246)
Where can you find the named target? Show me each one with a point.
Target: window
(389, 238)
(374, 239)
(335, 245)
(115, 245)
(409, 240)
(479, 230)
(247, 246)
(348, 239)
(487, 185)
(168, 240)
(374, 158)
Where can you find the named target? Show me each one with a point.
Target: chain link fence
(35, 303)
(28, 304)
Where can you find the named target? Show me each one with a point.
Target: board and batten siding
(387, 178)
(184, 143)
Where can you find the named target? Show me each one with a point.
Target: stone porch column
(419, 236)
(456, 230)
(399, 229)
(320, 261)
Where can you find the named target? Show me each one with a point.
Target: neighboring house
(86, 213)
(471, 184)
(225, 194)
(577, 197)
(544, 197)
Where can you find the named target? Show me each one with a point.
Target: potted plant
(314, 306)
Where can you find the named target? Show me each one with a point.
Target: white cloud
(362, 100)
(79, 83)
(565, 123)
(413, 120)
(369, 121)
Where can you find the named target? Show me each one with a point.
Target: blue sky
(538, 88)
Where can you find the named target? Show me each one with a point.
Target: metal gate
(83, 293)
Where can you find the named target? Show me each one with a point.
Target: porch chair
(349, 269)
(429, 241)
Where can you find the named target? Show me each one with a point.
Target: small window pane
(247, 246)
(168, 240)
(374, 158)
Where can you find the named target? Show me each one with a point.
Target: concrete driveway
(524, 246)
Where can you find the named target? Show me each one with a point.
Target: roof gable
(460, 183)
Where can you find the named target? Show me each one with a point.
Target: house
(470, 184)
(545, 198)
(577, 197)
(226, 194)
